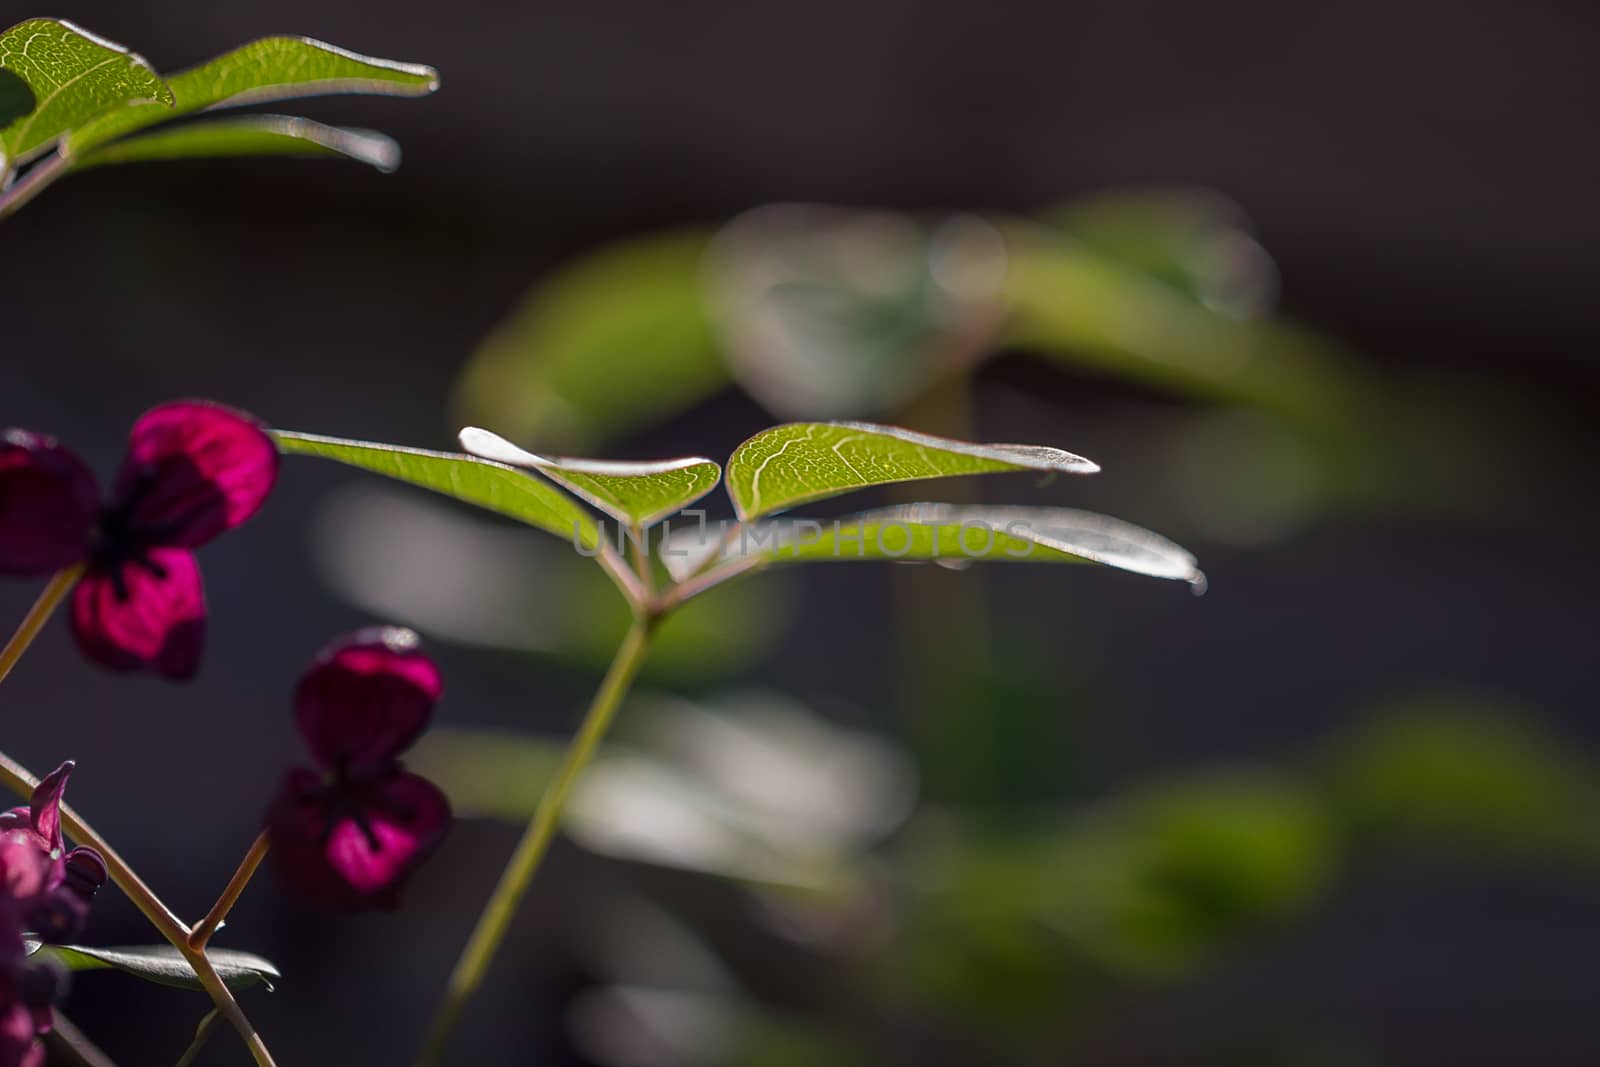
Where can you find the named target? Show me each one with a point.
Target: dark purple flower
(46, 894)
(346, 838)
(193, 470)
(25, 1007)
(58, 909)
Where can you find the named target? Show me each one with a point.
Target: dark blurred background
(1423, 176)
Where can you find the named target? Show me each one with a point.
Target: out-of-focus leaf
(619, 340)
(1248, 477)
(163, 964)
(829, 312)
(492, 486)
(756, 790)
(458, 577)
(1152, 883)
(1083, 309)
(251, 135)
(273, 68)
(950, 534)
(1465, 773)
(1195, 240)
(636, 494)
(801, 462)
(1201, 863)
(73, 76)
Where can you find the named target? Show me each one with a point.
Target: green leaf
(492, 486)
(1450, 770)
(464, 577)
(637, 494)
(1194, 240)
(751, 786)
(73, 76)
(162, 964)
(805, 461)
(950, 534)
(273, 68)
(1084, 309)
(616, 341)
(252, 135)
(828, 312)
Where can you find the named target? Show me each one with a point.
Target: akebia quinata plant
(346, 832)
(635, 520)
(71, 101)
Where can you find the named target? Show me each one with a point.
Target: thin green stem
(629, 583)
(32, 183)
(60, 585)
(639, 545)
(17, 778)
(230, 895)
(202, 1034)
(692, 587)
(530, 851)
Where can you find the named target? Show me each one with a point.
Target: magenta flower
(193, 470)
(46, 894)
(347, 838)
(28, 988)
(58, 912)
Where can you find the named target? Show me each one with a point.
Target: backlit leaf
(492, 486)
(73, 76)
(250, 135)
(805, 461)
(163, 964)
(273, 68)
(951, 534)
(637, 494)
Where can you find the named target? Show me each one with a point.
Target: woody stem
(230, 895)
(60, 584)
(17, 778)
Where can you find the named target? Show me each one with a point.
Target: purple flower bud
(85, 872)
(348, 838)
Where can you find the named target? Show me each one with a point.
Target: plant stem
(641, 559)
(633, 589)
(230, 895)
(32, 183)
(541, 830)
(69, 1045)
(60, 584)
(692, 587)
(202, 1034)
(17, 778)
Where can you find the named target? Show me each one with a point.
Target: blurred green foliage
(1015, 923)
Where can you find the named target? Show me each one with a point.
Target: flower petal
(143, 615)
(26, 871)
(48, 505)
(193, 470)
(45, 805)
(19, 1044)
(353, 850)
(366, 698)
